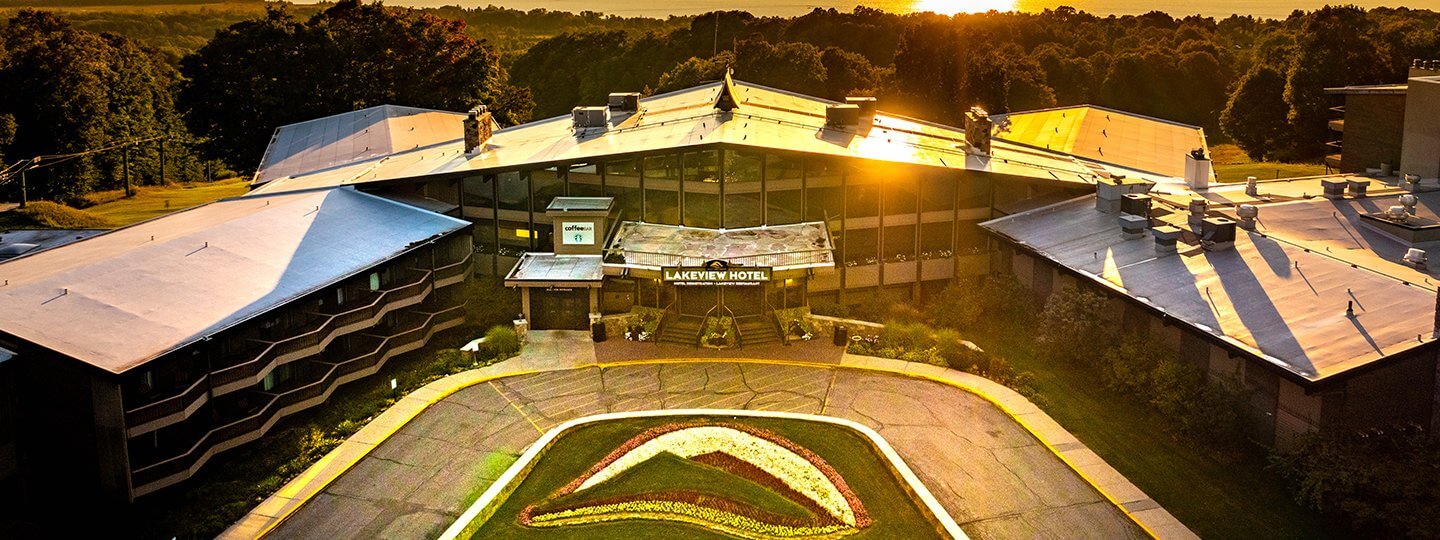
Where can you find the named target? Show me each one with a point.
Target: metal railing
(275, 405)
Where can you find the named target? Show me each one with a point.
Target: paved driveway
(995, 479)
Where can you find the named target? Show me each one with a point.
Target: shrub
(1385, 482)
(58, 216)
(1220, 414)
(1073, 323)
(830, 309)
(907, 336)
(1175, 386)
(1127, 367)
(488, 302)
(502, 341)
(957, 352)
(988, 302)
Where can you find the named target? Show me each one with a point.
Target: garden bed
(701, 476)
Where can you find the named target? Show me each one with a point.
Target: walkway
(411, 478)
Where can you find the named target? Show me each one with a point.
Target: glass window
(937, 192)
(622, 181)
(547, 185)
(702, 189)
(970, 239)
(824, 194)
(862, 247)
(544, 237)
(784, 180)
(900, 243)
(584, 180)
(743, 206)
(374, 281)
(514, 191)
(862, 193)
(514, 238)
(662, 189)
(480, 193)
(974, 191)
(935, 240)
(901, 190)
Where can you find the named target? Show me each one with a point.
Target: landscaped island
(706, 476)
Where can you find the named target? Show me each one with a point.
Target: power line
(48, 160)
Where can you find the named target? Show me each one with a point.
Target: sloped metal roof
(353, 138)
(1106, 136)
(1280, 294)
(765, 118)
(119, 299)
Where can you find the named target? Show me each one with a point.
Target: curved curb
(497, 488)
(1140, 508)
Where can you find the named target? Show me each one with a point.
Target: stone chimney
(977, 130)
(479, 126)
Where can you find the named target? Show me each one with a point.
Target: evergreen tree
(1255, 117)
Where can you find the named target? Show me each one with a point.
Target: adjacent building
(1389, 128)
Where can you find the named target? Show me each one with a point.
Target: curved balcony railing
(150, 416)
(250, 372)
(150, 477)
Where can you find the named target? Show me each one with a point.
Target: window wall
(622, 181)
(662, 189)
(784, 189)
(744, 205)
(584, 180)
(702, 189)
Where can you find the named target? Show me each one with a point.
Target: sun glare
(952, 7)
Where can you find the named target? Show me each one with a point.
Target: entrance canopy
(782, 247)
(549, 269)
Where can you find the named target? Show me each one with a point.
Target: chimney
(479, 126)
(1165, 238)
(1198, 206)
(977, 130)
(1197, 169)
(842, 116)
(590, 117)
(625, 102)
(867, 105)
(1247, 214)
(1333, 189)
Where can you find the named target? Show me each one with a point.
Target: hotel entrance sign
(714, 273)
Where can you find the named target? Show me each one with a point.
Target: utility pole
(162, 162)
(24, 197)
(125, 168)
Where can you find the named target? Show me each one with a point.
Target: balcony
(1337, 125)
(265, 354)
(263, 409)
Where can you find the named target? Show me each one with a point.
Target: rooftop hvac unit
(625, 101)
(590, 117)
(867, 105)
(1135, 204)
(842, 115)
(1218, 233)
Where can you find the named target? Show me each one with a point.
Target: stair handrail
(735, 323)
(660, 325)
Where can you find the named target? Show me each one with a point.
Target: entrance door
(560, 309)
(745, 300)
(697, 301)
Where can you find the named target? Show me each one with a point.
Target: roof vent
(1133, 226)
(1251, 187)
(625, 101)
(842, 116)
(1198, 206)
(1357, 187)
(1135, 204)
(479, 126)
(977, 130)
(1197, 169)
(590, 117)
(866, 103)
(1218, 233)
(1247, 213)
(1416, 257)
(1333, 189)
(1409, 201)
(1165, 238)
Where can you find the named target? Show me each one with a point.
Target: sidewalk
(564, 350)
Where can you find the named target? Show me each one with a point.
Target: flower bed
(707, 477)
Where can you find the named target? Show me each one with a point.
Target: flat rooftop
(781, 247)
(17, 242)
(552, 268)
(153, 287)
(1281, 293)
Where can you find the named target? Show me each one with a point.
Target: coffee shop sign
(714, 273)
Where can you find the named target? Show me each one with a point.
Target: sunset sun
(952, 7)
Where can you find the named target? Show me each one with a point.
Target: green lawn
(149, 202)
(895, 513)
(1216, 496)
(1232, 165)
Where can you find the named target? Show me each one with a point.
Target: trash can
(597, 331)
(842, 336)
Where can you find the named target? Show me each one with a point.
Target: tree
(1256, 115)
(1336, 48)
(68, 90)
(260, 74)
(1072, 323)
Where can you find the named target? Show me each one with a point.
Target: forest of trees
(1257, 83)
